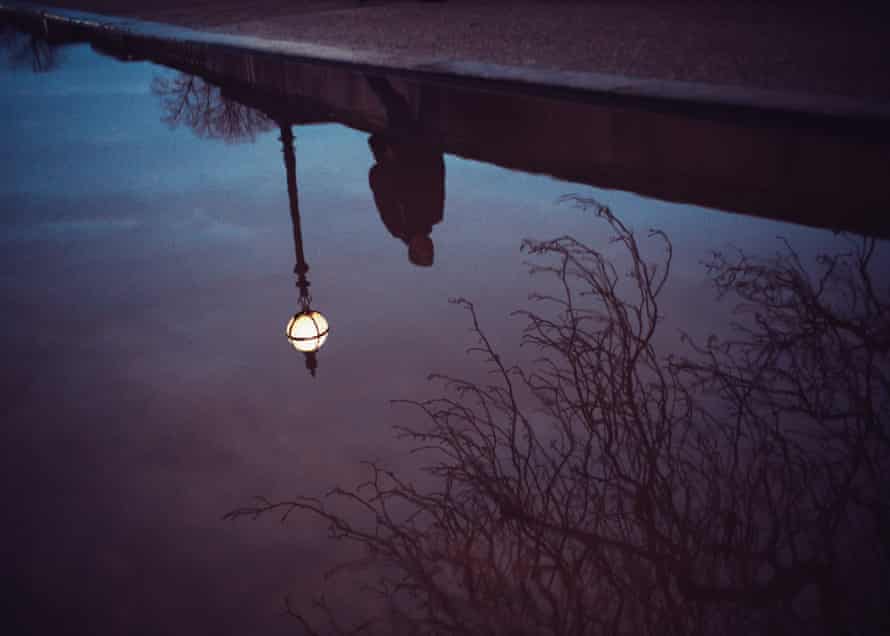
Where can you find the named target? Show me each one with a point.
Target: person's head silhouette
(421, 250)
(408, 183)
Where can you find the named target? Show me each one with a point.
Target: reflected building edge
(790, 168)
(814, 170)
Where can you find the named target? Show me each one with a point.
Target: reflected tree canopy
(193, 102)
(28, 51)
(739, 488)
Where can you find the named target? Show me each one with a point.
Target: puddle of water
(147, 254)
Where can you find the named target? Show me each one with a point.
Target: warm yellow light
(307, 331)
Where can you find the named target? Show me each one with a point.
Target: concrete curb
(677, 94)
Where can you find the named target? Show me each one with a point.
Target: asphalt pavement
(803, 48)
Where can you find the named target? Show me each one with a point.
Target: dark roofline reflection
(812, 170)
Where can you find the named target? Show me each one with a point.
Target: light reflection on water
(146, 276)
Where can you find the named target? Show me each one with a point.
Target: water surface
(146, 277)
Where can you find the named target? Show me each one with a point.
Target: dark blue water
(146, 279)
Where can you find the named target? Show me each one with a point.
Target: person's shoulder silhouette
(408, 183)
(408, 178)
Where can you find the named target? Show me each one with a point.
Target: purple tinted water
(146, 278)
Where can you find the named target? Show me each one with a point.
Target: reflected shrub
(193, 102)
(608, 488)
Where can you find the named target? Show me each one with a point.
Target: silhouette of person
(408, 179)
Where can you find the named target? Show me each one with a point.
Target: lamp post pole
(290, 167)
(301, 268)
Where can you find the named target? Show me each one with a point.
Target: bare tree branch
(611, 489)
(199, 105)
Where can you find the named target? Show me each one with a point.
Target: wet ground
(147, 261)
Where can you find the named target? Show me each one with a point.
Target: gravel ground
(816, 47)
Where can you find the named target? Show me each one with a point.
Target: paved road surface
(806, 47)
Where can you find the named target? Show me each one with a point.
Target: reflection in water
(307, 330)
(612, 489)
(203, 107)
(193, 102)
(780, 166)
(24, 50)
(408, 179)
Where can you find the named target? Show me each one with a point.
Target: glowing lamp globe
(307, 331)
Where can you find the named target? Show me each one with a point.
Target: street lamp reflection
(308, 329)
